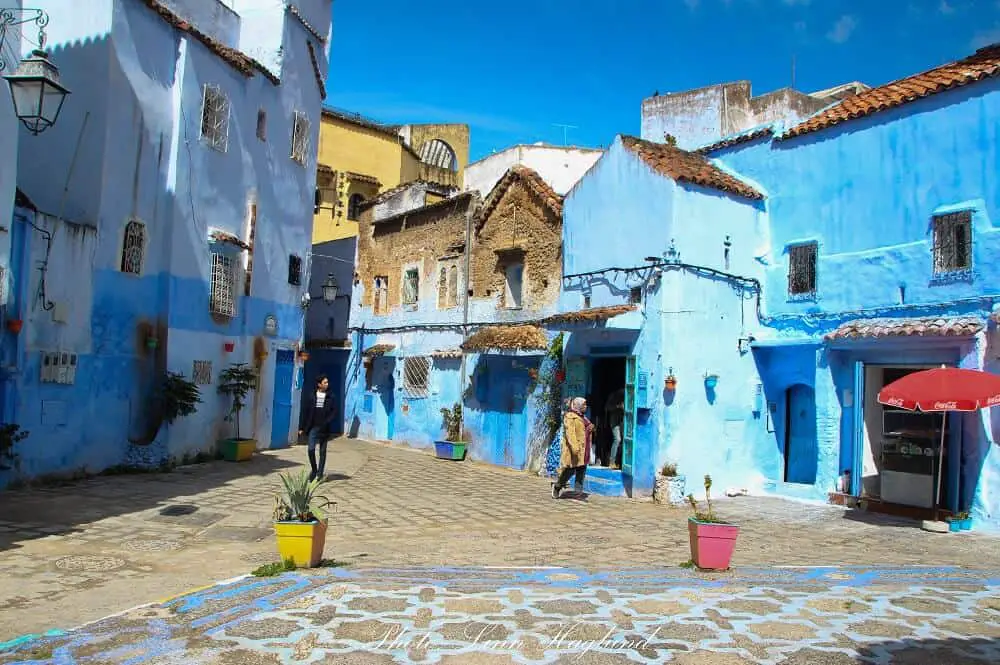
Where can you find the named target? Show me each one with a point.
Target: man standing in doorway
(614, 411)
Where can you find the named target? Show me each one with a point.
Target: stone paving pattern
(493, 617)
(84, 550)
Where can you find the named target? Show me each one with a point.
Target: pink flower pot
(712, 545)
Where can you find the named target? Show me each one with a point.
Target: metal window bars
(300, 137)
(416, 376)
(133, 245)
(294, 270)
(953, 242)
(201, 372)
(411, 286)
(222, 300)
(381, 300)
(802, 269)
(215, 118)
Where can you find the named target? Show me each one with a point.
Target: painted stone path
(812, 616)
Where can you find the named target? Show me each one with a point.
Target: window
(447, 285)
(514, 274)
(300, 137)
(953, 242)
(133, 246)
(381, 300)
(294, 270)
(201, 373)
(416, 372)
(411, 286)
(354, 207)
(215, 118)
(443, 287)
(635, 295)
(802, 269)
(262, 124)
(222, 299)
(453, 285)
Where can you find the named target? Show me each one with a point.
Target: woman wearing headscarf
(577, 431)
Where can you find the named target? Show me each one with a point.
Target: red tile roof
(531, 180)
(735, 140)
(378, 350)
(239, 61)
(317, 73)
(294, 11)
(684, 166)
(983, 64)
(925, 327)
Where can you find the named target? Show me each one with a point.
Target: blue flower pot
(967, 524)
(954, 526)
(449, 450)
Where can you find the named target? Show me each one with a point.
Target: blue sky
(514, 70)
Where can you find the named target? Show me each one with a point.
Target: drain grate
(179, 510)
(87, 563)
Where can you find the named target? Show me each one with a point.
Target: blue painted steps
(603, 481)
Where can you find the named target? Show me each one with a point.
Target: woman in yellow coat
(575, 447)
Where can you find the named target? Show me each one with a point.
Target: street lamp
(35, 88)
(330, 292)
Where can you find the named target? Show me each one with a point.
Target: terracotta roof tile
(735, 139)
(984, 63)
(917, 327)
(591, 314)
(237, 59)
(378, 350)
(316, 71)
(324, 168)
(218, 235)
(684, 166)
(294, 11)
(361, 177)
(507, 338)
(532, 181)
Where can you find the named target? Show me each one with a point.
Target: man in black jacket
(318, 412)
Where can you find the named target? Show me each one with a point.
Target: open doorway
(606, 401)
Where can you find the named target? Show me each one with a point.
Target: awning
(378, 350)
(590, 315)
(914, 327)
(507, 338)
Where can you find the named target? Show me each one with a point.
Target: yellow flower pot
(301, 542)
(238, 450)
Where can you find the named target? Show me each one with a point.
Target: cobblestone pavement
(87, 549)
(495, 617)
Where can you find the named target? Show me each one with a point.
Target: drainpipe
(465, 304)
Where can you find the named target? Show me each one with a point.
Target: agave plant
(299, 501)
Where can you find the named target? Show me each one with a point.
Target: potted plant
(10, 434)
(237, 381)
(669, 487)
(300, 520)
(965, 521)
(954, 523)
(712, 540)
(452, 447)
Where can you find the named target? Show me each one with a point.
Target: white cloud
(946, 8)
(842, 29)
(985, 37)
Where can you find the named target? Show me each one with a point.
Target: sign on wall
(271, 325)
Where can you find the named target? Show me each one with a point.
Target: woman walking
(577, 432)
(318, 412)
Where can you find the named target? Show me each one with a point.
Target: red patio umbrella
(942, 389)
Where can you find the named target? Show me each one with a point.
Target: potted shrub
(966, 521)
(669, 487)
(300, 520)
(954, 523)
(179, 396)
(712, 540)
(452, 447)
(10, 435)
(237, 381)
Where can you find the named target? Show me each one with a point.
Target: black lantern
(330, 289)
(38, 95)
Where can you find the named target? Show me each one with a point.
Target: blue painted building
(172, 216)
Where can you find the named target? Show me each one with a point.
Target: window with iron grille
(201, 373)
(215, 118)
(381, 300)
(222, 299)
(354, 206)
(294, 270)
(802, 269)
(133, 247)
(635, 295)
(953, 242)
(262, 124)
(300, 137)
(411, 286)
(416, 375)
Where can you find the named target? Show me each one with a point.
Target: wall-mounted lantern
(330, 292)
(35, 87)
(743, 343)
(671, 381)
(711, 380)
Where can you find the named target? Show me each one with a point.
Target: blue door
(281, 413)
(628, 429)
(800, 435)
(505, 418)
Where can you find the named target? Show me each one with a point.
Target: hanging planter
(229, 347)
(152, 343)
(15, 325)
(711, 381)
(671, 382)
(303, 356)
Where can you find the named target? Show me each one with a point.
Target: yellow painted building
(360, 158)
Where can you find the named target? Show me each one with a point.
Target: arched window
(453, 286)
(438, 153)
(354, 207)
(133, 247)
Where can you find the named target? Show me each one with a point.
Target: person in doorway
(577, 434)
(614, 410)
(318, 412)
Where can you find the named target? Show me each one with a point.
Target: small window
(586, 302)
(953, 242)
(411, 286)
(802, 269)
(381, 299)
(354, 207)
(514, 275)
(294, 270)
(222, 299)
(300, 137)
(416, 372)
(443, 287)
(453, 286)
(201, 373)
(262, 124)
(635, 295)
(215, 118)
(133, 247)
